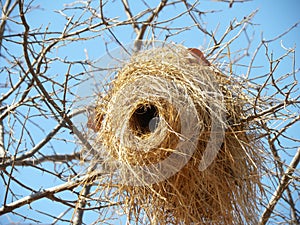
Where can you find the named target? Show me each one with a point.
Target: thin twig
(2, 150)
(19, 159)
(284, 182)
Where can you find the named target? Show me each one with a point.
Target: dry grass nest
(162, 104)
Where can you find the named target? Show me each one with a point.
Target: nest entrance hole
(144, 119)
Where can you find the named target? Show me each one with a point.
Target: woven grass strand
(226, 191)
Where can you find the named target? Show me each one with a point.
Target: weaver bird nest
(172, 131)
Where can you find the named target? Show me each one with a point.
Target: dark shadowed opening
(144, 120)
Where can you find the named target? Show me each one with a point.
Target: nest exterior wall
(224, 193)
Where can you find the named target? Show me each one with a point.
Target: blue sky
(273, 18)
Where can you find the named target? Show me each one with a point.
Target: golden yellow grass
(224, 193)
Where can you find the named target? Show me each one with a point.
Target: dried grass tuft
(153, 84)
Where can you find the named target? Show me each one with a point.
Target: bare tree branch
(2, 150)
(19, 159)
(47, 158)
(130, 16)
(6, 11)
(47, 193)
(81, 205)
(39, 83)
(284, 182)
(43, 67)
(147, 23)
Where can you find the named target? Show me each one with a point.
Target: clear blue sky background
(273, 18)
